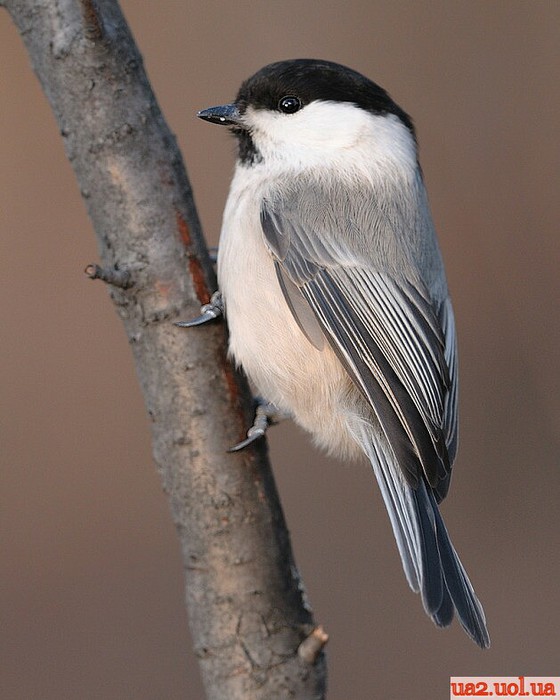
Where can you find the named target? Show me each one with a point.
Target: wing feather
(395, 340)
(380, 299)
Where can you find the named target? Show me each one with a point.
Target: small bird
(333, 287)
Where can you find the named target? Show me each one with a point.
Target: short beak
(224, 114)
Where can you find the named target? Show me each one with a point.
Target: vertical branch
(246, 605)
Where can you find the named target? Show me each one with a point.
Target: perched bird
(335, 294)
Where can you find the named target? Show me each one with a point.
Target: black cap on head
(310, 79)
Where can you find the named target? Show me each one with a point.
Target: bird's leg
(266, 414)
(214, 309)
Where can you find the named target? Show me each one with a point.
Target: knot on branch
(110, 275)
(312, 645)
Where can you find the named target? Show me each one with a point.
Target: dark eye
(289, 104)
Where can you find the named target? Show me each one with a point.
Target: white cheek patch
(325, 130)
(317, 124)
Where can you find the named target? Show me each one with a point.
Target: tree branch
(246, 604)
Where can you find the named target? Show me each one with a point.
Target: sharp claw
(266, 414)
(252, 435)
(207, 315)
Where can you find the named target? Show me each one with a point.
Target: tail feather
(444, 616)
(469, 609)
(430, 562)
(433, 586)
(405, 527)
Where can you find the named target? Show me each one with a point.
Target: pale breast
(279, 360)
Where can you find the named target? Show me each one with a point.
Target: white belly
(265, 339)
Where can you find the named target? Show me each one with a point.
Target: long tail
(430, 562)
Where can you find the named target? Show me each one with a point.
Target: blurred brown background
(92, 598)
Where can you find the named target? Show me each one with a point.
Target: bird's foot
(214, 309)
(266, 414)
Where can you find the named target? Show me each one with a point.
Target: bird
(332, 283)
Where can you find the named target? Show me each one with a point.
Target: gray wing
(369, 271)
(346, 257)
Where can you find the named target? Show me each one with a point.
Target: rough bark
(246, 605)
